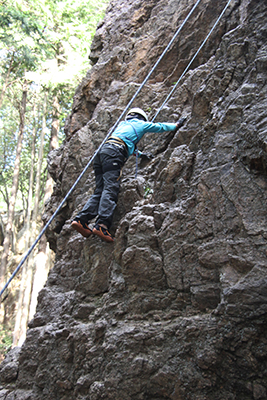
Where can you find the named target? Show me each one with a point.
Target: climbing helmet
(138, 111)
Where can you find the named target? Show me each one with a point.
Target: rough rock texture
(176, 308)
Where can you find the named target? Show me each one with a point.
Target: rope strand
(190, 63)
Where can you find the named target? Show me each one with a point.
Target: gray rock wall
(176, 307)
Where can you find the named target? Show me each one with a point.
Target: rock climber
(108, 165)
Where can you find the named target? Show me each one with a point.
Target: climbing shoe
(81, 227)
(102, 233)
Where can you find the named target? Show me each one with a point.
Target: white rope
(190, 63)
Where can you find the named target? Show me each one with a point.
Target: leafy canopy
(47, 43)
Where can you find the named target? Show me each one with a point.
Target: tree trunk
(55, 124)
(3, 91)
(43, 259)
(11, 208)
(28, 268)
(53, 142)
(27, 271)
(39, 167)
(30, 191)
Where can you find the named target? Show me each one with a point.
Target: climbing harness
(112, 129)
(136, 148)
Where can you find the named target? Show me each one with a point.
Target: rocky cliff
(176, 307)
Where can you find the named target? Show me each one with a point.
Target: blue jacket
(133, 130)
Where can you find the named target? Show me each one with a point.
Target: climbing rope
(192, 60)
(107, 136)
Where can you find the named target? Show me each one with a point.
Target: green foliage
(148, 191)
(22, 38)
(5, 342)
(10, 16)
(8, 126)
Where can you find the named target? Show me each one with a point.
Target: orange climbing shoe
(81, 227)
(103, 233)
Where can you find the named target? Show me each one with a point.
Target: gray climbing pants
(107, 167)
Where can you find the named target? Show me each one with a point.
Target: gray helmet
(137, 111)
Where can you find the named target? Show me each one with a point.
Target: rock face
(176, 308)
